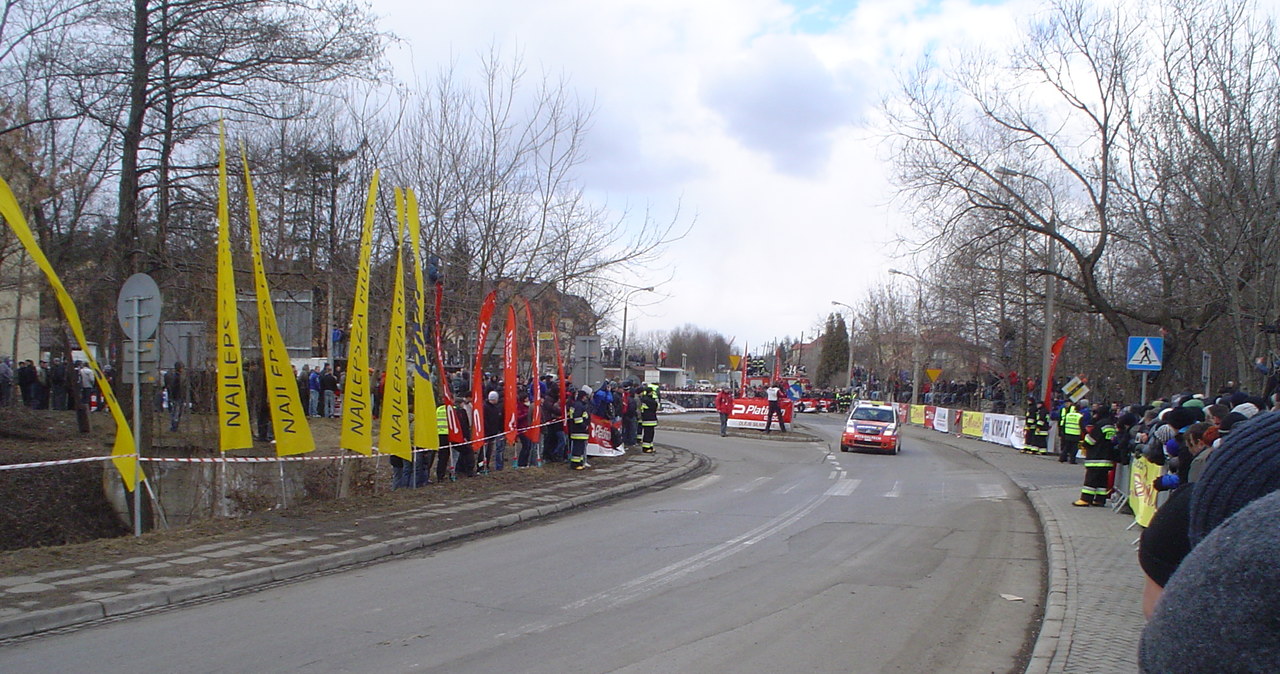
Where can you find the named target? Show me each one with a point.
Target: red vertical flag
(477, 374)
(509, 386)
(455, 428)
(745, 358)
(564, 403)
(1053, 365)
(535, 403)
(777, 363)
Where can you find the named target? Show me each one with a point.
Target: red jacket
(724, 402)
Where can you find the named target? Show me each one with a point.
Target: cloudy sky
(756, 118)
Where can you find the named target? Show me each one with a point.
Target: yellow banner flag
(393, 430)
(124, 452)
(233, 400)
(357, 435)
(425, 435)
(293, 434)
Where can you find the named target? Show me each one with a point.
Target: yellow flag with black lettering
(233, 400)
(123, 452)
(293, 434)
(393, 429)
(357, 433)
(425, 433)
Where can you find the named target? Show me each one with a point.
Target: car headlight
(890, 430)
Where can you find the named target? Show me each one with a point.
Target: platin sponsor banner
(535, 406)
(600, 439)
(424, 396)
(1142, 496)
(124, 451)
(753, 412)
(477, 376)
(929, 413)
(903, 410)
(292, 432)
(233, 399)
(393, 426)
(971, 424)
(509, 387)
(357, 398)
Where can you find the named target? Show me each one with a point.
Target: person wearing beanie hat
(1246, 467)
(1243, 469)
(1220, 609)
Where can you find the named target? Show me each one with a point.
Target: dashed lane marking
(750, 486)
(842, 487)
(701, 482)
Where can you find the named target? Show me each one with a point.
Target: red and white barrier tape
(62, 462)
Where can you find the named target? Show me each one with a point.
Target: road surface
(786, 557)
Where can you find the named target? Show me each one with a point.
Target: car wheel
(844, 448)
(897, 446)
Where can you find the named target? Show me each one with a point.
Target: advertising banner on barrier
(942, 419)
(903, 411)
(917, 414)
(999, 428)
(753, 412)
(600, 441)
(1142, 496)
(929, 412)
(971, 424)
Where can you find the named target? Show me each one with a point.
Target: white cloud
(757, 115)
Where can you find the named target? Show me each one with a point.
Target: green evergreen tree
(835, 353)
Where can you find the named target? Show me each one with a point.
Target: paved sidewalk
(124, 582)
(1093, 615)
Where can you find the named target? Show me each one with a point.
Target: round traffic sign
(138, 307)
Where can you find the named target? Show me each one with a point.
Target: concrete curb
(85, 612)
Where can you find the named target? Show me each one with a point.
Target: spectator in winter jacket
(724, 406)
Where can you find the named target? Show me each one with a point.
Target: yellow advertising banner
(357, 433)
(233, 400)
(124, 452)
(425, 434)
(917, 415)
(971, 424)
(1142, 496)
(393, 428)
(293, 434)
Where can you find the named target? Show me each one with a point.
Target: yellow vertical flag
(357, 434)
(233, 400)
(123, 451)
(425, 435)
(393, 431)
(293, 434)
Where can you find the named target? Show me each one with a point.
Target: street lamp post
(915, 347)
(622, 367)
(848, 366)
(1050, 290)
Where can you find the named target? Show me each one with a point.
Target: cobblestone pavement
(1093, 616)
(124, 582)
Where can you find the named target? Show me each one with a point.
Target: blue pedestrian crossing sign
(1146, 353)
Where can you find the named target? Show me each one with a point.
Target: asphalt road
(786, 557)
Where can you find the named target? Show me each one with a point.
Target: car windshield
(872, 414)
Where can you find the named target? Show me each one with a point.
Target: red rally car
(871, 426)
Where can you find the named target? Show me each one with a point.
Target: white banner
(941, 419)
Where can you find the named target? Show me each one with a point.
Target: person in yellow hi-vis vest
(1071, 431)
(446, 460)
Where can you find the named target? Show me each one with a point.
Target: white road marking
(842, 488)
(753, 484)
(896, 491)
(699, 483)
(787, 489)
(993, 492)
(834, 474)
(673, 572)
